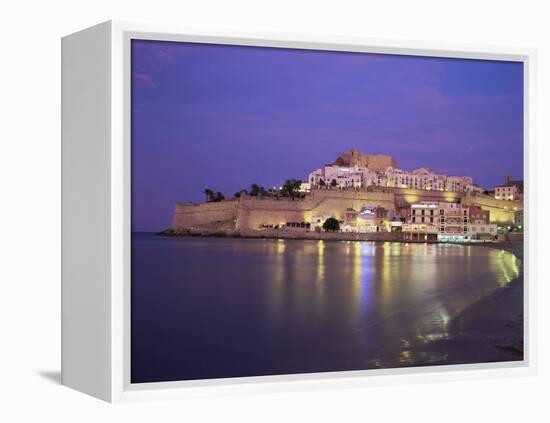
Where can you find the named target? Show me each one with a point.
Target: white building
(422, 178)
(458, 183)
(304, 187)
(507, 192)
(361, 177)
(425, 212)
(343, 177)
(512, 190)
(368, 219)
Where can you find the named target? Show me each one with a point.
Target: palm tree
(291, 188)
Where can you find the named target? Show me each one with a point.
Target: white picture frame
(96, 213)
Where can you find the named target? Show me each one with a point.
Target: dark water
(210, 308)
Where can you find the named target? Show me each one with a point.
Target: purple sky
(223, 117)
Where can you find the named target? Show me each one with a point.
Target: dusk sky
(223, 117)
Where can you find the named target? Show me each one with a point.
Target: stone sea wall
(249, 213)
(256, 211)
(205, 216)
(327, 236)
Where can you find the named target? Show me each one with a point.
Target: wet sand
(490, 330)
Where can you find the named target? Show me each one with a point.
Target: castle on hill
(354, 169)
(374, 162)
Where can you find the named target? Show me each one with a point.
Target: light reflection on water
(206, 308)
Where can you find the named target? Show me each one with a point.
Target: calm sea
(213, 307)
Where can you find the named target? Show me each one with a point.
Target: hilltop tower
(374, 162)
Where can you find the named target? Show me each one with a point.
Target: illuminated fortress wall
(327, 202)
(501, 211)
(249, 213)
(407, 196)
(206, 216)
(254, 212)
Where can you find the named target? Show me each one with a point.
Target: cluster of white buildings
(359, 177)
(437, 221)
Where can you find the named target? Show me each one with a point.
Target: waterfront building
(368, 219)
(479, 226)
(350, 220)
(453, 219)
(478, 216)
(424, 212)
(449, 222)
(482, 231)
(419, 232)
(421, 222)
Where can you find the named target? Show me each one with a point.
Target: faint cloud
(164, 56)
(145, 80)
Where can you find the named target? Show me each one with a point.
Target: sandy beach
(490, 330)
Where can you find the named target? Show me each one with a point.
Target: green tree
(331, 224)
(218, 197)
(255, 190)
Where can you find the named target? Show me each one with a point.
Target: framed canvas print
(276, 211)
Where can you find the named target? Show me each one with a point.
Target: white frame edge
(118, 163)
